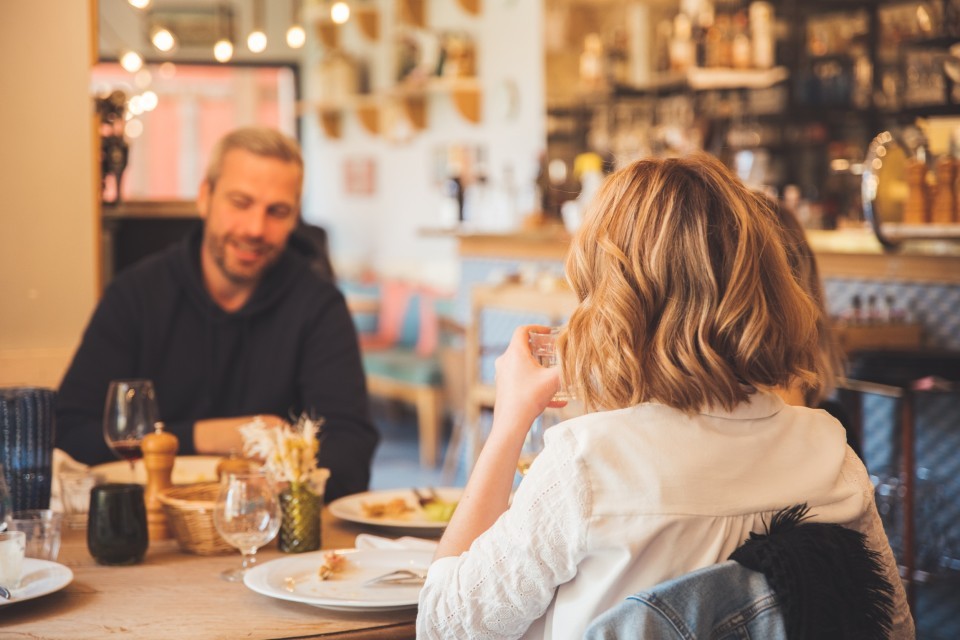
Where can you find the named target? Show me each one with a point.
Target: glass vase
(300, 519)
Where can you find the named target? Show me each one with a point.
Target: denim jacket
(725, 601)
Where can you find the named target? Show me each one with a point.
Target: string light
(131, 61)
(340, 12)
(223, 50)
(163, 39)
(296, 36)
(257, 40)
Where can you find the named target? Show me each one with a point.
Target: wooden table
(178, 595)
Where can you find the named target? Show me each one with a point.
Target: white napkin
(408, 543)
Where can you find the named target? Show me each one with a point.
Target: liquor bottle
(916, 207)
(944, 198)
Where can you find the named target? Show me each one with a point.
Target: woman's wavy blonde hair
(686, 295)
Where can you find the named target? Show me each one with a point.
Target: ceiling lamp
(139, 4)
(296, 36)
(131, 61)
(340, 12)
(257, 40)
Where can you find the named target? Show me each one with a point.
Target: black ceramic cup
(117, 524)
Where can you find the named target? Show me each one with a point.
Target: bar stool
(903, 376)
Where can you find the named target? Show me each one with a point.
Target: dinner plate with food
(426, 510)
(345, 579)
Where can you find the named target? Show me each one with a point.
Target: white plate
(186, 470)
(344, 591)
(350, 508)
(40, 577)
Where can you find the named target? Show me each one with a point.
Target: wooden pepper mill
(159, 451)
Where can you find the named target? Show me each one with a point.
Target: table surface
(179, 595)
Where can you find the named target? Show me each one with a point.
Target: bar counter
(847, 253)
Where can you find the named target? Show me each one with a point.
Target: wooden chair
(401, 360)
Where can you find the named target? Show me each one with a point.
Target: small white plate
(351, 508)
(296, 579)
(40, 577)
(186, 470)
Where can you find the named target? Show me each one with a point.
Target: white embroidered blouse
(622, 500)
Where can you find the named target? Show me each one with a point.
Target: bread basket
(189, 510)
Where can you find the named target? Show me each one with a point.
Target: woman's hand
(524, 388)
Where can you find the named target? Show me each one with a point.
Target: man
(230, 323)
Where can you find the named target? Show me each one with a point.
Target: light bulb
(131, 61)
(296, 36)
(135, 105)
(149, 100)
(163, 40)
(139, 4)
(133, 128)
(257, 41)
(223, 50)
(168, 70)
(340, 12)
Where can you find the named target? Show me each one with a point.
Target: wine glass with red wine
(129, 414)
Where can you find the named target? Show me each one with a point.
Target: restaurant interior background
(513, 105)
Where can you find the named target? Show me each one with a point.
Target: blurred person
(230, 323)
(689, 319)
(803, 263)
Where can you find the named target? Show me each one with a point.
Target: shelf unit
(412, 98)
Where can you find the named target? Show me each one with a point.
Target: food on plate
(333, 562)
(389, 509)
(439, 510)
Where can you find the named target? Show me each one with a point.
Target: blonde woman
(689, 317)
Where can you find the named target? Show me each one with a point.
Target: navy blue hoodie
(291, 348)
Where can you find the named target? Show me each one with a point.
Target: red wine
(127, 449)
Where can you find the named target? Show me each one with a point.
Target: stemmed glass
(128, 415)
(247, 515)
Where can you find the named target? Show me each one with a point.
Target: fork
(400, 576)
(429, 495)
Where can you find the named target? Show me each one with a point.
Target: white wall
(48, 216)
(382, 231)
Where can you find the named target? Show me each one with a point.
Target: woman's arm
(523, 390)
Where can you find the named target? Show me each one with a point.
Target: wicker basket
(189, 510)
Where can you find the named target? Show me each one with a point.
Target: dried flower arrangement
(289, 452)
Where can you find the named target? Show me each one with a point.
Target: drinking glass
(247, 516)
(129, 414)
(6, 505)
(543, 346)
(117, 524)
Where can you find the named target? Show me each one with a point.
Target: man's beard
(217, 246)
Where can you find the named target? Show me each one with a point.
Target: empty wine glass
(129, 414)
(247, 516)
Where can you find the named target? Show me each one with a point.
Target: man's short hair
(261, 141)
